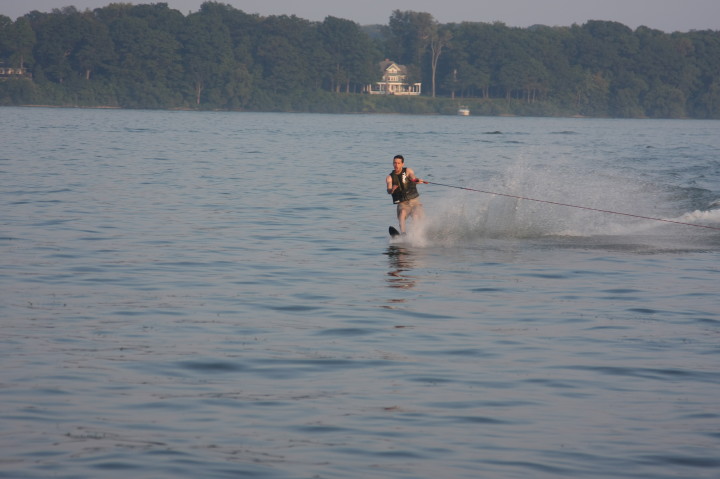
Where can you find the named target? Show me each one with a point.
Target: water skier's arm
(413, 178)
(390, 187)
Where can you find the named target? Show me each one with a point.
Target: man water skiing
(401, 185)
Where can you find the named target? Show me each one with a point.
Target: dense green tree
(147, 57)
(665, 58)
(469, 58)
(605, 46)
(94, 49)
(350, 55)
(150, 56)
(665, 101)
(549, 47)
(58, 35)
(207, 54)
(290, 53)
(16, 41)
(7, 37)
(705, 99)
(410, 35)
(593, 94)
(628, 91)
(236, 86)
(511, 62)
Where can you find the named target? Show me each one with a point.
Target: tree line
(151, 56)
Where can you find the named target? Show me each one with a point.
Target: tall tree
(207, 52)
(289, 51)
(17, 41)
(439, 38)
(58, 34)
(350, 53)
(94, 49)
(148, 70)
(411, 34)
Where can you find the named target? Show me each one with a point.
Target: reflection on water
(401, 262)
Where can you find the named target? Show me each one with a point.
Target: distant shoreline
(498, 115)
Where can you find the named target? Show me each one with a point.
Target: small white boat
(463, 111)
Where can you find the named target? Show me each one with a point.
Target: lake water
(215, 295)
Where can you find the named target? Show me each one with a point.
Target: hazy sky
(666, 15)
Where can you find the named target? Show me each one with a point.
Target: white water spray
(574, 204)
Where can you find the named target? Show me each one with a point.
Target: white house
(393, 81)
(12, 72)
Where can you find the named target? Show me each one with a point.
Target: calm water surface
(214, 295)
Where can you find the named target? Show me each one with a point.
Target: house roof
(388, 65)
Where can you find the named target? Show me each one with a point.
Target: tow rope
(574, 206)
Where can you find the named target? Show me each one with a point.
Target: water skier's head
(398, 162)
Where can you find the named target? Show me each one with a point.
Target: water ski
(394, 233)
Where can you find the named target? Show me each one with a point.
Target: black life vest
(406, 189)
